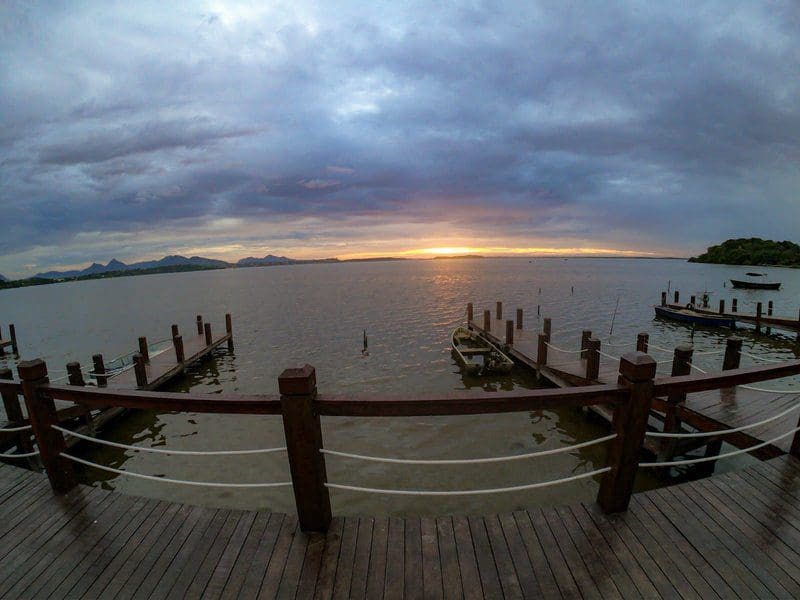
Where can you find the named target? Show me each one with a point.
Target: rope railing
(692, 461)
(88, 438)
(762, 358)
(709, 352)
(500, 490)
(13, 429)
(612, 357)
(557, 349)
(469, 461)
(22, 455)
(768, 390)
(170, 480)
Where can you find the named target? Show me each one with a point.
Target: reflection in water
(289, 316)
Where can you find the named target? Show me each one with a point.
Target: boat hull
(753, 285)
(467, 344)
(688, 316)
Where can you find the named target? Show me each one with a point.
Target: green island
(752, 251)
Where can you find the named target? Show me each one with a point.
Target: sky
(338, 129)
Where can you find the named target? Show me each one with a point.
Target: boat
(688, 315)
(754, 283)
(477, 354)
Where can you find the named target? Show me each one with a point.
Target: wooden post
(229, 331)
(769, 308)
(2, 348)
(722, 306)
(14, 414)
(207, 329)
(592, 359)
(509, 332)
(795, 449)
(642, 341)
(99, 369)
(693, 300)
(487, 320)
(677, 296)
(199, 324)
(470, 313)
(733, 353)
(76, 378)
(585, 337)
(499, 310)
(541, 355)
(301, 425)
(177, 341)
(759, 309)
(547, 327)
(139, 370)
(12, 332)
(705, 300)
(42, 412)
(734, 305)
(637, 371)
(519, 318)
(663, 298)
(681, 365)
(143, 349)
(175, 331)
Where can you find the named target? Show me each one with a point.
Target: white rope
(515, 488)
(608, 345)
(179, 481)
(549, 345)
(676, 463)
(25, 455)
(769, 391)
(13, 429)
(755, 357)
(165, 450)
(698, 369)
(654, 347)
(469, 461)
(708, 352)
(601, 353)
(698, 434)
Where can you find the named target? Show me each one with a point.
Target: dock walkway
(731, 535)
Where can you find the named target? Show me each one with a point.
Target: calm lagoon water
(289, 316)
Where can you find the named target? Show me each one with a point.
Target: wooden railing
(301, 408)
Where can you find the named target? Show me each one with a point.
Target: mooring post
(734, 305)
(499, 311)
(585, 337)
(663, 298)
(769, 308)
(547, 327)
(637, 371)
(12, 333)
(470, 313)
(519, 318)
(207, 330)
(541, 354)
(642, 341)
(14, 413)
(143, 349)
(199, 324)
(692, 300)
(229, 331)
(177, 341)
(592, 359)
(733, 353)
(42, 413)
(795, 448)
(509, 332)
(677, 296)
(140, 370)
(2, 348)
(759, 309)
(76, 378)
(487, 320)
(681, 365)
(722, 306)
(175, 331)
(99, 370)
(301, 425)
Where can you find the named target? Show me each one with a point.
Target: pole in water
(364, 350)
(572, 289)
(613, 317)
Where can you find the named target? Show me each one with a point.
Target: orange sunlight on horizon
(498, 251)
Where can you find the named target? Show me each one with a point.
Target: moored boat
(754, 283)
(478, 355)
(687, 315)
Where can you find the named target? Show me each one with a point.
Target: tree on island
(752, 251)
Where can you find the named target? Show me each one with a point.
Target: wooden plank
(295, 556)
(246, 557)
(255, 575)
(347, 553)
(315, 545)
(536, 556)
(448, 555)
(562, 574)
(467, 562)
(519, 555)
(376, 576)
(330, 560)
(504, 564)
(206, 570)
(395, 564)
(412, 560)
(490, 581)
(230, 555)
(358, 583)
(432, 584)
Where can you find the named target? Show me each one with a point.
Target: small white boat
(478, 355)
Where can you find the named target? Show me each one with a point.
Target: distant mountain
(269, 259)
(115, 265)
(751, 251)
(3, 278)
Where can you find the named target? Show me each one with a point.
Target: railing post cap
(32, 369)
(735, 341)
(96, 356)
(594, 341)
(73, 365)
(637, 366)
(6, 373)
(684, 349)
(297, 381)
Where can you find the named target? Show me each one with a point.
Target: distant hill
(3, 278)
(115, 266)
(751, 251)
(271, 260)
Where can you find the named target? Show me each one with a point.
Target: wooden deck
(712, 410)
(728, 536)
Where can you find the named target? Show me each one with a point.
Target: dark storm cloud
(525, 123)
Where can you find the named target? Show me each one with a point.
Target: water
(288, 316)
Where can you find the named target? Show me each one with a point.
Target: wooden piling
(499, 311)
(722, 306)
(681, 365)
(140, 370)
(585, 337)
(99, 370)
(663, 298)
(12, 332)
(693, 300)
(733, 353)
(677, 296)
(541, 354)
(637, 371)
(75, 374)
(14, 413)
(734, 305)
(487, 320)
(207, 330)
(301, 424)
(470, 313)
(759, 310)
(547, 327)
(175, 331)
(795, 448)
(143, 349)
(705, 300)
(769, 308)
(509, 332)
(42, 413)
(199, 324)
(642, 341)
(177, 341)
(519, 318)
(592, 359)
(229, 331)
